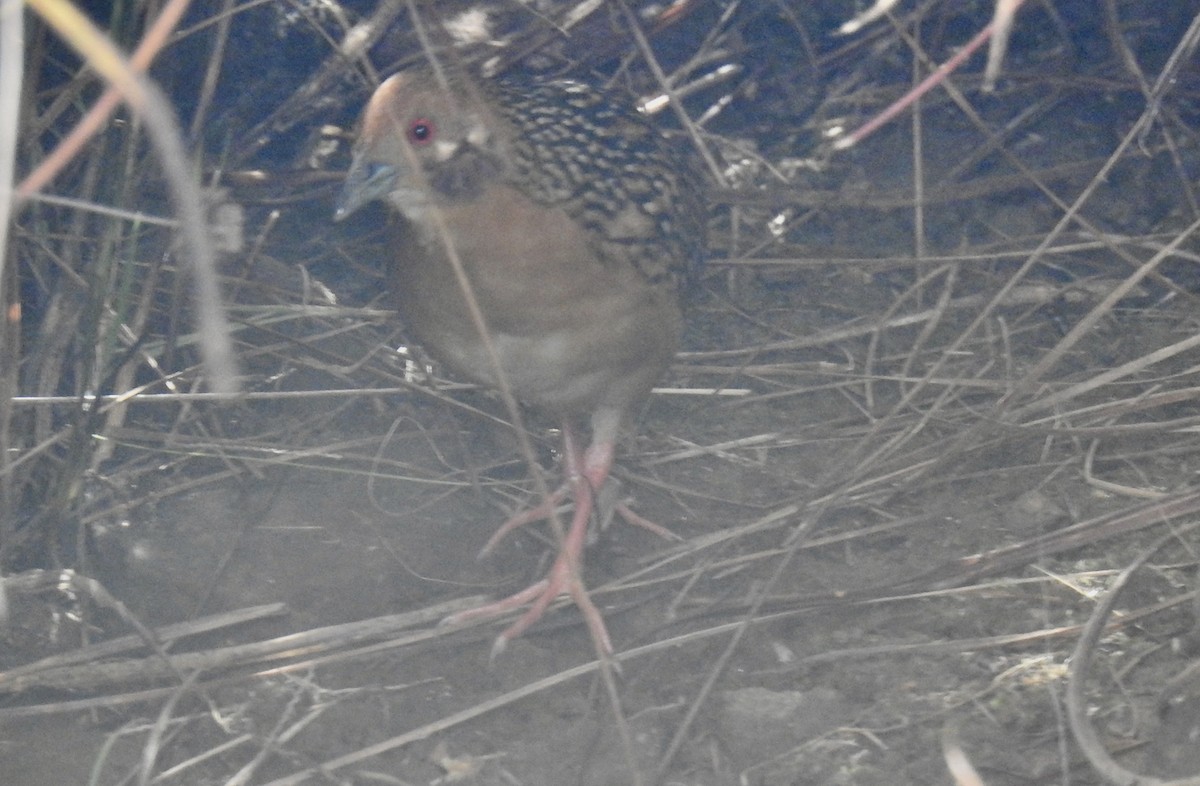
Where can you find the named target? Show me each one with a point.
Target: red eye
(420, 131)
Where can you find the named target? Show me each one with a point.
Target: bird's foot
(630, 517)
(540, 512)
(538, 597)
(563, 577)
(608, 504)
(586, 486)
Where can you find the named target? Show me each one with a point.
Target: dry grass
(953, 368)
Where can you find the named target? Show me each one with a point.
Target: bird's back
(610, 168)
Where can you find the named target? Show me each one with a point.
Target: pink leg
(584, 473)
(537, 513)
(630, 517)
(547, 507)
(595, 466)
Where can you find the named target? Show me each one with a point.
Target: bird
(574, 224)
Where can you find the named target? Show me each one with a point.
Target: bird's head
(422, 143)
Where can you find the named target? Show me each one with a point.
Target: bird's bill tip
(365, 182)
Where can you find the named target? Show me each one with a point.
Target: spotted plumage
(609, 168)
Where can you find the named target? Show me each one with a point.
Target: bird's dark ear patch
(466, 174)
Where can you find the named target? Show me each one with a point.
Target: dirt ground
(892, 530)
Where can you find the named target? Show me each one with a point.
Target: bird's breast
(571, 331)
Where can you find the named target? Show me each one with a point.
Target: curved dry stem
(146, 99)
(1081, 659)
